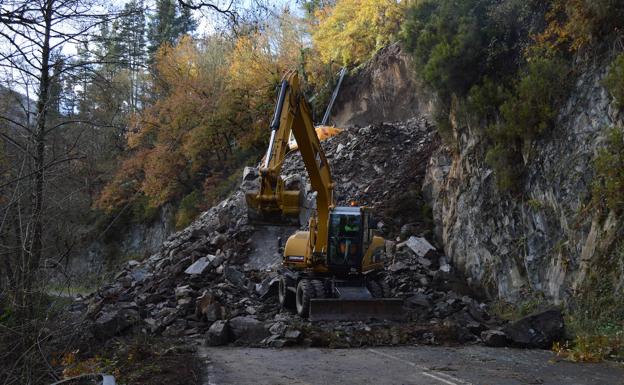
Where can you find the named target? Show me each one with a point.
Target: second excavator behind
(333, 270)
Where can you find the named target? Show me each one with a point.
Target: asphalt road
(419, 365)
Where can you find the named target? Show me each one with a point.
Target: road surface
(419, 365)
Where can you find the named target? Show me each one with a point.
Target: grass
(138, 360)
(515, 311)
(595, 322)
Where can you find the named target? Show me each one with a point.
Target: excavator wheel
(319, 288)
(285, 296)
(305, 292)
(375, 289)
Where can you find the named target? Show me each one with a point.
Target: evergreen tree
(168, 24)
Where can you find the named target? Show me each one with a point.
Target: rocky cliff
(384, 89)
(543, 240)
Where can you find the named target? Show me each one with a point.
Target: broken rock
(198, 267)
(537, 331)
(248, 329)
(494, 338)
(218, 334)
(420, 246)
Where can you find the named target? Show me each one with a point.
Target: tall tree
(31, 45)
(169, 23)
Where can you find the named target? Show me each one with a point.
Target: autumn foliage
(353, 30)
(213, 99)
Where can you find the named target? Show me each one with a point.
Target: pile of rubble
(201, 283)
(381, 166)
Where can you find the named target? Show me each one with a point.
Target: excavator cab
(345, 240)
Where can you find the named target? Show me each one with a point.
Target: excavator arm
(314, 159)
(273, 202)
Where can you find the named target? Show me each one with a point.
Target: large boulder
(218, 334)
(113, 321)
(494, 338)
(248, 330)
(539, 330)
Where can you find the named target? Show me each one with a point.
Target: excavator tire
(305, 292)
(375, 289)
(285, 296)
(319, 288)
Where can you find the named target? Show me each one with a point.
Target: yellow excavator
(332, 270)
(274, 201)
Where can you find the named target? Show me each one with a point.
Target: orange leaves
(350, 37)
(213, 99)
(125, 184)
(575, 24)
(164, 168)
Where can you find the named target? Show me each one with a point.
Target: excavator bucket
(355, 303)
(337, 309)
(270, 213)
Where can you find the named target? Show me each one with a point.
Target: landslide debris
(205, 282)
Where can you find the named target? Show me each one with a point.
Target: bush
(614, 80)
(595, 321)
(507, 167)
(189, 209)
(448, 40)
(535, 103)
(608, 186)
(456, 43)
(577, 24)
(485, 99)
(526, 113)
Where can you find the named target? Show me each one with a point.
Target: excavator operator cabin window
(345, 240)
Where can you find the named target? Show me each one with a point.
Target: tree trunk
(35, 244)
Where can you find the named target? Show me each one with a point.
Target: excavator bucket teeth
(337, 309)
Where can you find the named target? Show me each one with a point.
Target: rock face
(544, 242)
(384, 90)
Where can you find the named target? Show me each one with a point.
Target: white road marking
(439, 376)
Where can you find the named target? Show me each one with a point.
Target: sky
(207, 22)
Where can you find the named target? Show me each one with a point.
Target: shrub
(576, 24)
(595, 320)
(608, 186)
(485, 99)
(614, 80)
(534, 106)
(190, 207)
(526, 113)
(506, 165)
(456, 43)
(448, 39)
